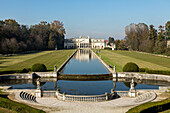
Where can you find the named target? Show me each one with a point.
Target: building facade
(168, 44)
(84, 43)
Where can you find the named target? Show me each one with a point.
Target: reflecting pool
(84, 62)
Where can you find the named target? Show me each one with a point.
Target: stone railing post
(107, 98)
(114, 69)
(64, 96)
(57, 92)
(132, 91)
(38, 93)
(55, 68)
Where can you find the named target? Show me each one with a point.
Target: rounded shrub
(131, 67)
(38, 68)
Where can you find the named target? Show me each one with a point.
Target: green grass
(160, 106)
(7, 105)
(120, 58)
(20, 61)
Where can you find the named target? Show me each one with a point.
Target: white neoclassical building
(84, 43)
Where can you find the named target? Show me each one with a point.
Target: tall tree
(167, 30)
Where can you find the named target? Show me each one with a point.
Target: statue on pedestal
(132, 91)
(132, 85)
(38, 83)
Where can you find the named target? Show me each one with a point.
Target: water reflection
(84, 55)
(85, 62)
(84, 87)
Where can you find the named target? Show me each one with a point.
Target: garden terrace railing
(92, 98)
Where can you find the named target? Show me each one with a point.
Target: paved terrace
(52, 105)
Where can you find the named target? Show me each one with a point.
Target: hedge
(143, 69)
(38, 68)
(25, 70)
(154, 71)
(131, 67)
(151, 107)
(158, 72)
(107, 48)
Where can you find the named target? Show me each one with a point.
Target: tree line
(140, 37)
(16, 38)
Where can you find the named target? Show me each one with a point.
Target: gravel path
(53, 105)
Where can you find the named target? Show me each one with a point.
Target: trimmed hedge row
(35, 68)
(151, 107)
(107, 48)
(158, 72)
(154, 71)
(25, 70)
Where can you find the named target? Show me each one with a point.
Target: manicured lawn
(162, 106)
(120, 58)
(49, 58)
(4, 110)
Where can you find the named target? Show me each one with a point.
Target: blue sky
(96, 18)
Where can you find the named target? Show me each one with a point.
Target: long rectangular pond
(83, 87)
(84, 62)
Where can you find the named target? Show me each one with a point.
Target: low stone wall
(44, 74)
(16, 76)
(89, 98)
(142, 76)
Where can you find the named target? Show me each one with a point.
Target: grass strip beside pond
(151, 107)
(49, 58)
(120, 58)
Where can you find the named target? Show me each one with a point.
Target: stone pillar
(38, 90)
(64, 96)
(38, 93)
(114, 69)
(38, 84)
(132, 91)
(132, 85)
(107, 97)
(55, 68)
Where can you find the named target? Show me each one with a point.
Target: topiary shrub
(38, 68)
(131, 67)
(26, 70)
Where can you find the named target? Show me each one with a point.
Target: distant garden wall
(142, 76)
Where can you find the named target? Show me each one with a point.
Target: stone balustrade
(122, 93)
(49, 94)
(89, 98)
